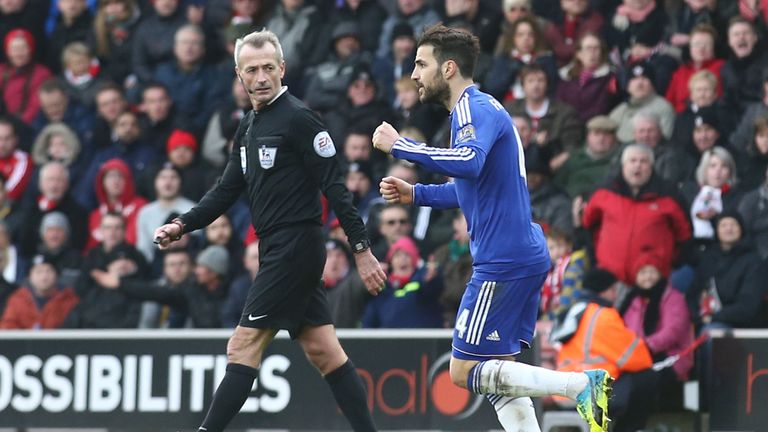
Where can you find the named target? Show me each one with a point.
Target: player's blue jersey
(487, 163)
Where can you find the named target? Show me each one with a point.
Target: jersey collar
(283, 89)
(466, 90)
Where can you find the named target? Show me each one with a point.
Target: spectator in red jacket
(115, 192)
(41, 304)
(21, 75)
(637, 212)
(15, 164)
(702, 53)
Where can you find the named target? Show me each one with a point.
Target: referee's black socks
(347, 388)
(230, 397)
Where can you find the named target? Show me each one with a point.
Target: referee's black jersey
(283, 157)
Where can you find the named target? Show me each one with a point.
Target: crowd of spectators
(644, 125)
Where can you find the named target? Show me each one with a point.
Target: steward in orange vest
(593, 336)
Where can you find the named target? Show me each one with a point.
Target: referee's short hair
(453, 44)
(257, 39)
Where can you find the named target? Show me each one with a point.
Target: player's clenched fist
(384, 137)
(396, 191)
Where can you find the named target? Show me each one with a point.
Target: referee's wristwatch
(361, 246)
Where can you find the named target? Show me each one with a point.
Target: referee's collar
(283, 89)
(461, 95)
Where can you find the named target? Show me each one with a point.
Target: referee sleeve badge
(324, 145)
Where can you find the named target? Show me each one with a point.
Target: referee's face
(261, 73)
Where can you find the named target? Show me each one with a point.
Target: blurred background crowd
(644, 125)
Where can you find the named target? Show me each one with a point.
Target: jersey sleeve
(440, 196)
(476, 131)
(319, 155)
(228, 189)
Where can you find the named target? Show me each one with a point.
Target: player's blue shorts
(496, 317)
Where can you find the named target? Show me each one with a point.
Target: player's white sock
(513, 379)
(515, 414)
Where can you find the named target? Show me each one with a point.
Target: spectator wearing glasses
(410, 297)
(394, 222)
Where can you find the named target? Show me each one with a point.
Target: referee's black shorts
(288, 291)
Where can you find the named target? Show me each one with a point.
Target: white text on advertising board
(107, 383)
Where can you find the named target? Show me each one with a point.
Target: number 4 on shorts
(461, 323)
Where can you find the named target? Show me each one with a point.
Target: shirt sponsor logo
(243, 159)
(324, 145)
(267, 157)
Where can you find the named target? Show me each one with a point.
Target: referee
(283, 158)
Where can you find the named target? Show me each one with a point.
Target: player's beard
(439, 93)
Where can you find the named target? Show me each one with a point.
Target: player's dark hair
(453, 44)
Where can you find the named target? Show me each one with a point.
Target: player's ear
(449, 69)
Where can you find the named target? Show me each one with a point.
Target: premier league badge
(267, 157)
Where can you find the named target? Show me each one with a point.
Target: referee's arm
(324, 169)
(219, 199)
